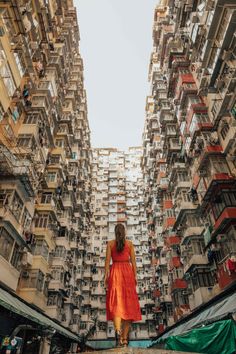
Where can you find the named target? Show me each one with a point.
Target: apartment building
(117, 197)
(189, 155)
(45, 170)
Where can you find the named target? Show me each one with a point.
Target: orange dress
(122, 299)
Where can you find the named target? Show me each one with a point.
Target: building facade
(45, 157)
(189, 154)
(117, 197)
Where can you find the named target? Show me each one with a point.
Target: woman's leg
(125, 332)
(117, 323)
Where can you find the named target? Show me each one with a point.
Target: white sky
(116, 43)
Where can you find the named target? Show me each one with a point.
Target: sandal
(125, 342)
(118, 338)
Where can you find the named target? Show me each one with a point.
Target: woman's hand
(106, 281)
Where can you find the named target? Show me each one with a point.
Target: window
(16, 257)
(183, 176)
(185, 196)
(9, 132)
(31, 119)
(53, 300)
(57, 274)
(83, 325)
(193, 221)
(2, 111)
(26, 141)
(205, 279)
(55, 159)
(62, 129)
(16, 206)
(6, 244)
(74, 155)
(219, 164)
(46, 198)
(7, 21)
(60, 251)
(34, 279)
(20, 63)
(170, 213)
(59, 143)
(224, 130)
(5, 197)
(51, 176)
(169, 310)
(223, 25)
(26, 219)
(6, 74)
(42, 220)
(40, 248)
(213, 57)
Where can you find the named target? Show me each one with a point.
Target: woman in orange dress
(122, 303)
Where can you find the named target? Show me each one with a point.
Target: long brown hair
(120, 237)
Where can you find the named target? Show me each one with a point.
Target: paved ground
(138, 351)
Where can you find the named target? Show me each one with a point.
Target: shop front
(24, 329)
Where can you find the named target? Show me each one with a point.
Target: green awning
(17, 306)
(217, 338)
(215, 312)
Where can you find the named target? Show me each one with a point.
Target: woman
(122, 300)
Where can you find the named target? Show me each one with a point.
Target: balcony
(174, 145)
(54, 312)
(8, 218)
(181, 311)
(172, 241)
(175, 262)
(85, 318)
(58, 262)
(200, 296)
(211, 182)
(9, 274)
(46, 204)
(227, 216)
(165, 298)
(184, 204)
(185, 90)
(227, 133)
(168, 222)
(179, 284)
(86, 288)
(207, 151)
(31, 288)
(39, 262)
(41, 102)
(192, 231)
(226, 273)
(67, 202)
(195, 259)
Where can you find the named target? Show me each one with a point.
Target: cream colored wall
(9, 274)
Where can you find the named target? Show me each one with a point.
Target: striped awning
(14, 304)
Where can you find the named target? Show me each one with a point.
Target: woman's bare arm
(133, 260)
(107, 261)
